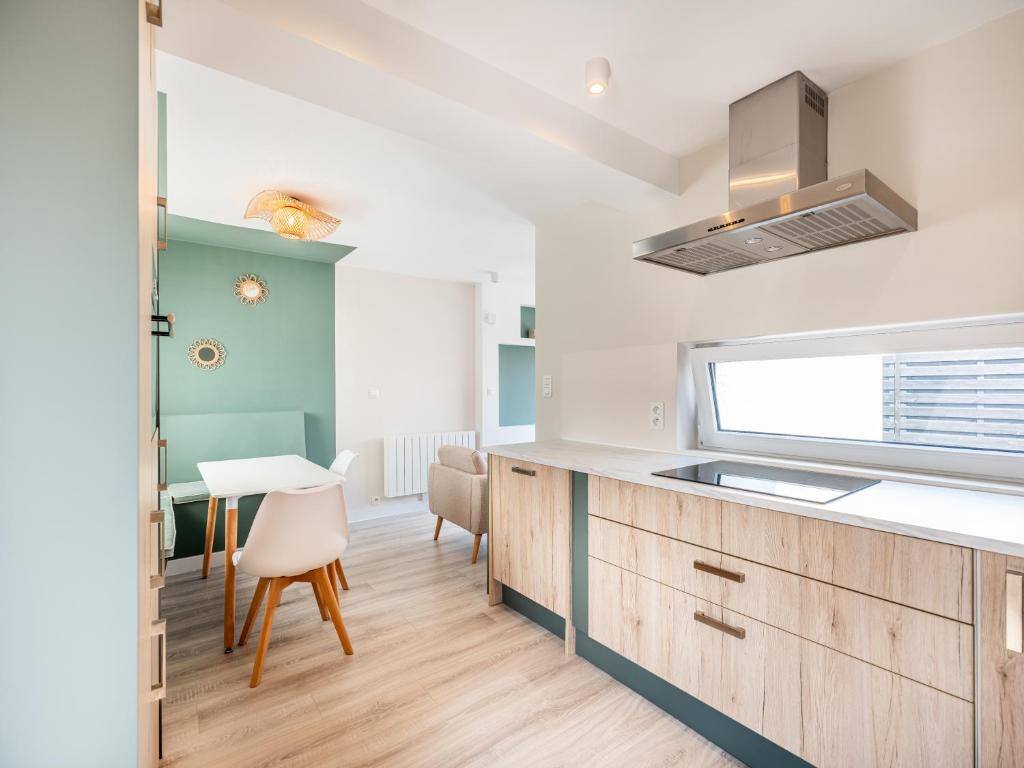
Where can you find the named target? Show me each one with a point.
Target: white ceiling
(440, 130)
(676, 64)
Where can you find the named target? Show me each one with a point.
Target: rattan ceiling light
(291, 218)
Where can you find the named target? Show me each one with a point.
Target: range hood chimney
(782, 203)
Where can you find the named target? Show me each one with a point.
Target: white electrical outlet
(656, 415)
(375, 500)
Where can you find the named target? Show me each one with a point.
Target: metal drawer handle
(721, 626)
(714, 570)
(521, 471)
(158, 690)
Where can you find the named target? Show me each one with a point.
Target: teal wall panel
(516, 373)
(279, 357)
(580, 551)
(69, 409)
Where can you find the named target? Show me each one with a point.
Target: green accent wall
(516, 397)
(279, 358)
(69, 379)
(527, 321)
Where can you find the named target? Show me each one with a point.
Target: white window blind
(969, 399)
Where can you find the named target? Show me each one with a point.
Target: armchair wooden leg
(476, 546)
(437, 527)
(341, 574)
(320, 577)
(276, 586)
(211, 524)
(254, 608)
(320, 597)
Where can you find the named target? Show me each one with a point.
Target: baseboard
(193, 564)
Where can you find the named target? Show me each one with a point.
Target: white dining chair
(340, 466)
(295, 537)
(343, 461)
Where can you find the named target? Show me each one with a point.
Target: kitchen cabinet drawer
(927, 648)
(927, 575)
(1002, 661)
(827, 707)
(683, 516)
(529, 533)
(922, 574)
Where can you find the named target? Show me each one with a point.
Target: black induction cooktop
(818, 487)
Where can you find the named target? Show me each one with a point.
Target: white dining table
(234, 478)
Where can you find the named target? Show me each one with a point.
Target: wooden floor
(437, 679)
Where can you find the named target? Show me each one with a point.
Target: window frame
(981, 333)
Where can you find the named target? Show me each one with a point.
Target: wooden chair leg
(276, 586)
(341, 574)
(319, 595)
(320, 576)
(332, 571)
(211, 524)
(476, 546)
(254, 608)
(437, 527)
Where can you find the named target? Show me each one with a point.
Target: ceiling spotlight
(773, 248)
(753, 240)
(598, 72)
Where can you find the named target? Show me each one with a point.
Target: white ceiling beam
(351, 58)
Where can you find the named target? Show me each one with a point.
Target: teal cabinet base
(736, 739)
(535, 612)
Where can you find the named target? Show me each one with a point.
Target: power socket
(656, 415)
(375, 500)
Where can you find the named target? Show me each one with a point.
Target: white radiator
(407, 459)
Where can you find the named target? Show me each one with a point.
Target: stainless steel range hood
(782, 204)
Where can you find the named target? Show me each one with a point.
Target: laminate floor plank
(438, 679)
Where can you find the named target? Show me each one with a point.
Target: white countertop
(970, 518)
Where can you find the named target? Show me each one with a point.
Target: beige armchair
(457, 491)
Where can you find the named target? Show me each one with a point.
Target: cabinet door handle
(162, 485)
(158, 689)
(158, 518)
(721, 626)
(1015, 612)
(161, 204)
(155, 13)
(527, 472)
(714, 570)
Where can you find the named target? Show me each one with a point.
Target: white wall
(502, 300)
(943, 129)
(414, 340)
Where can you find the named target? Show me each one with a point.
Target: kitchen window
(948, 399)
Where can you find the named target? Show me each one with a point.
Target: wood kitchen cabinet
(1002, 661)
(529, 531)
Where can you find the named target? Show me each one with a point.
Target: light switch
(373, 393)
(545, 385)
